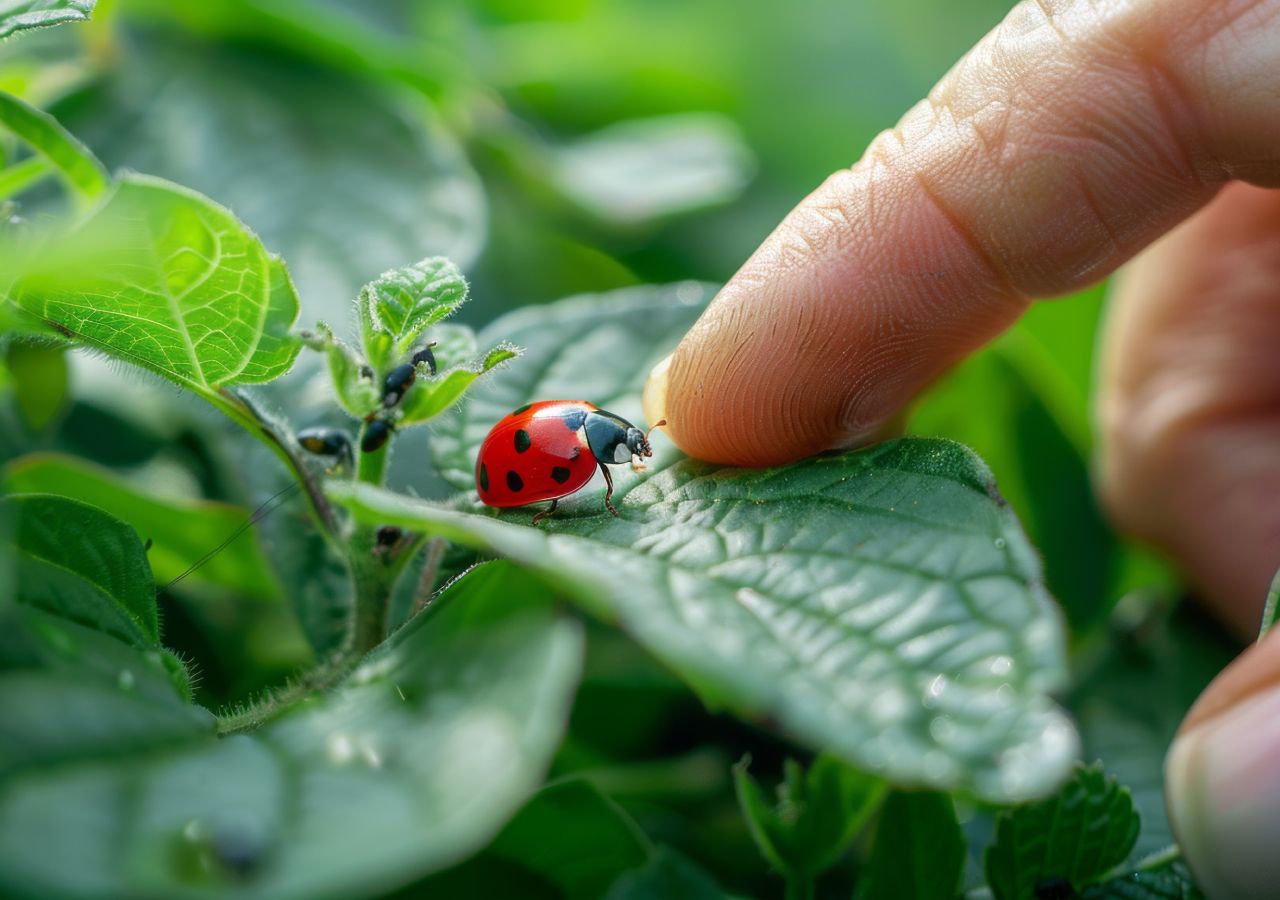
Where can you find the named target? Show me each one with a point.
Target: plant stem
(239, 410)
(373, 574)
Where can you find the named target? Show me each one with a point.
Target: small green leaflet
(1077, 835)
(817, 814)
(398, 306)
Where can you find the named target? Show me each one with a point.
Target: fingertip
(1223, 797)
(653, 399)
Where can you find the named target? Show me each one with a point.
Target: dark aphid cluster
(402, 377)
(378, 429)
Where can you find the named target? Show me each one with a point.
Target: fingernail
(654, 397)
(1222, 781)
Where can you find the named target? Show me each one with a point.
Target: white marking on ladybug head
(621, 453)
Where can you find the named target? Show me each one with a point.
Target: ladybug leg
(546, 512)
(608, 494)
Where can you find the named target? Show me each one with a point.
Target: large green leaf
(344, 178)
(412, 762)
(165, 279)
(1076, 836)
(883, 604)
(181, 531)
(19, 15)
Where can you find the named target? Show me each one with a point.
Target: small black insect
(376, 434)
(398, 380)
(424, 355)
(327, 442)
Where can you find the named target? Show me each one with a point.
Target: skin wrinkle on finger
(1064, 142)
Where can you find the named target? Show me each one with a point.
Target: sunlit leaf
(165, 279)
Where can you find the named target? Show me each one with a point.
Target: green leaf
(429, 397)
(165, 279)
(569, 836)
(402, 303)
(1078, 835)
(79, 168)
(644, 169)
(80, 563)
(816, 817)
(39, 377)
(181, 531)
(19, 15)
(342, 176)
(352, 382)
(882, 605)
(668, 876)
(414, 761)
(919, 850)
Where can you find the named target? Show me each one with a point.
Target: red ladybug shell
(539, 452)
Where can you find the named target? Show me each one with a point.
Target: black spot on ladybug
(515, 482)
(574, 420)
(560, 474)
(575, 453)
(525, 408)
(484, 477)
(1054, 889)
(523, 441)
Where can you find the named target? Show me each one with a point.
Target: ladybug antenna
(653, 427)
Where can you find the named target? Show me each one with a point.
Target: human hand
(1071, 138)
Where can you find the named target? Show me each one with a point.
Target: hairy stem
(236, 407)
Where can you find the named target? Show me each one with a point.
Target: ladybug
(549, 449)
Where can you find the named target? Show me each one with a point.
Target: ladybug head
(638, 442)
